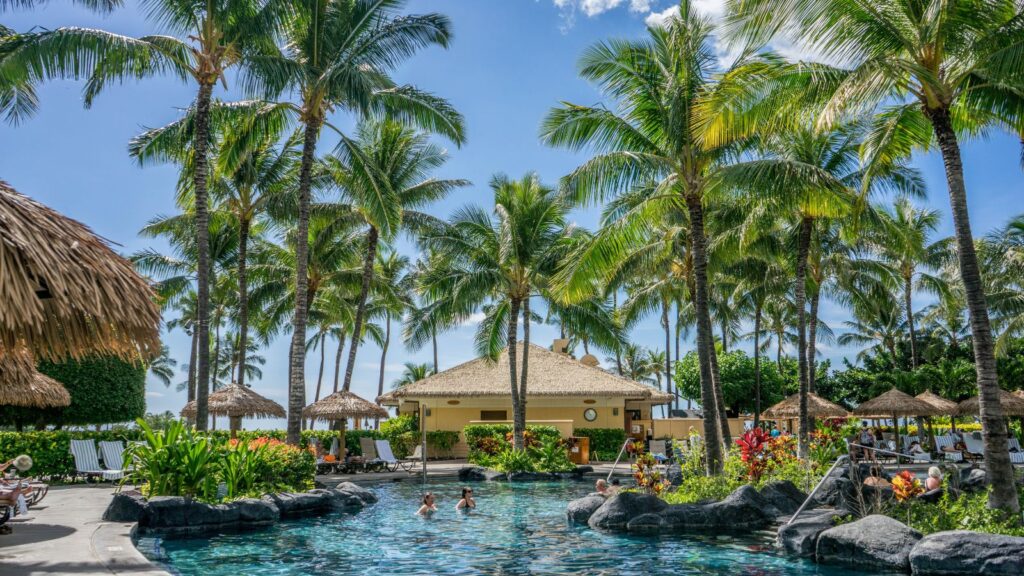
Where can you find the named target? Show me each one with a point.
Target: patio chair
(974, 446)
(657, 449)
(87, 462)
(113, 455)
(371, 459)
(947, 442)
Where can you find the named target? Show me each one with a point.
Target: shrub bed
(488, 440)
(605, 443)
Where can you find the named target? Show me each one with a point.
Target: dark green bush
(488, 440)
(603, 441)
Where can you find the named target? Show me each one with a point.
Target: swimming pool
(518, 529)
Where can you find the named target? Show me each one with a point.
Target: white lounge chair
(947, 442)
(974, 445)
(113, 455)
(369, 450)
(387, 457)
(87, 462)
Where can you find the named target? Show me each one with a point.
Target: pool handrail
(617, 458)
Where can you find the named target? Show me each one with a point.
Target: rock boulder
(875, 541)
(581, 509)
(964, 553)
(784, 497)
(801, 537)
(363, 494)
(617, 511)
(127, 506)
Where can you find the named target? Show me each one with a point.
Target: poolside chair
(657, 449)
(370, 457)
(947, 442)
(387, 457)
(87, 462)
(974, 445)
(113, 455)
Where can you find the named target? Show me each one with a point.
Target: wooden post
(235, 424)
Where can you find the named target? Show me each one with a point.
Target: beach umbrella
(237, 402)
(895, 403)
(948, 407)
(65, 293)
(817, 407)
(341, 406)
(22, 385)
(1012, 405)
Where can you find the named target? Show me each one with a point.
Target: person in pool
(466, 503)
(428, 508)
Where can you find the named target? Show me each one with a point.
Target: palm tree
(902, 242)
(1002, 256)
(658, 362)
(394, 286)
(939, 71)
(162, 367)
(879, 322)
(497, 264)
(636, 364)
(413, 373)
(339, 54)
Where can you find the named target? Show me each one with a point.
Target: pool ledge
(113, 544)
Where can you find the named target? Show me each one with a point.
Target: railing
(617, 458)
(840, 460)
(874, 450)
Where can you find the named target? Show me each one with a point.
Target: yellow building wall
(680, 427)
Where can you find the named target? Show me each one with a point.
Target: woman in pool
(467, 503)
(428, 508)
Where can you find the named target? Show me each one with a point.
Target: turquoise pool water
(519, 529)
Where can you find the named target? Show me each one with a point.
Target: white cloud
(474, 319)
(152, 394)
(658, 19)
(640, 6)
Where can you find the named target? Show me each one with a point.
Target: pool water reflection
(518, 529)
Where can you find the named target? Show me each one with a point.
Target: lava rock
(471, 473)
(581, 509)
(801, 537)
(646, 524)
(744, 509)
(836, 492)
(875, 541)
(254, 512)
(783, 496)
(494, 476)
(363, 494)
(617, 511)
(301, 504)
(674, 474)
(973, 480)
(962, 552)
(127, 506)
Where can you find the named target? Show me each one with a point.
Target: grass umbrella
(948, 407)
(1013, 405)
(895, 403)
(817, 407)
(341, 406)
(237, 402)
(22, 385)
(65, 292)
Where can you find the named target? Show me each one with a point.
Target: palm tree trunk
(192, 366)
(907, 290)
(297, 353)
(803, 248)
(243, 298)
(320, 373)
(668, 349)
(384, 355)
(618, 351)
(364, 292)
(725, 336)
(812, 340)
(216, 352)
(679, 332)
(513, 330)
(723, 416)
(337, 361)
(521, 414)
(757, 364)
(997, 456)
(433, 338)
(712, 440)
(778, 351)
(200, 146)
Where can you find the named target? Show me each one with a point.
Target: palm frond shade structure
(1012, 405)
(948, 407)
(817, 407)
(895, 404)
(65, 293)
(237, 402)
(22, 385)
(341, 406)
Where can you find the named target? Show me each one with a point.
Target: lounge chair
(975, 446)
(371, 459)
(87, 462)
(657, 449)
(947, 442)
(113, 455)
(387, 458)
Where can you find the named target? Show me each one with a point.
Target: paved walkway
(444, 469)
(66, 535)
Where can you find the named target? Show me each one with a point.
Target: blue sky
(509, 62)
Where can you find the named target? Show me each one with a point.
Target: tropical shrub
(648, 478)
(486, 440)
(512, 460)
(441, 442)
(51, 450)
(966, 512)
(603, 441)
(552, 456)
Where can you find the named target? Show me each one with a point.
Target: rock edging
(176, 515)
(479, 473)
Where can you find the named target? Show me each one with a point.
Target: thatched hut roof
(817, 407)
(948, 407)
(1012, 405)
(342, 405)
(238, 401)
(64, 291)
(22, 385)
(896, 403)
(550, 374)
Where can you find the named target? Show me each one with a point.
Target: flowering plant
(905, 486)
(754, 452)
(648, 478)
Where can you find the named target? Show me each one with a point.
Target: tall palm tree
(936, 71)
(902, 241)
(1002, 256)
(413, 373)
(394, 288)
(339, 54)
(879, 322)
(162, 367)
(498, 262)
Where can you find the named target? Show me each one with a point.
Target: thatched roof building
(65, 292)
(817, 407)
(550, 374)
(1012, 405)
(22, 385)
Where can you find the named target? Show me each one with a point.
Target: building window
(494, 415)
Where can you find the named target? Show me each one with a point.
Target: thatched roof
(817, 407)
(22, 385)
(64, 291)
(896, 403)
(1012, 405)
(342, 405)
(238, 401)
(550, 374)
(948, 407)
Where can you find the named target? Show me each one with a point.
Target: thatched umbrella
(817, 407)
(341, 406)
(895, 403)
(65, 293)
(1012, 405)
(237, 402)
(22, 385)
(948, 407)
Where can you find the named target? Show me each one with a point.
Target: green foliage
(511, 460)
(51, 450)
(103, 390)
(551, 456)
(442, 441)
(603, 441)
(967, 512)
(737, 377)
(487, 440)
(400, 432)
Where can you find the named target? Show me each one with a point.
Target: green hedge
(486, 440)
(603, 441)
